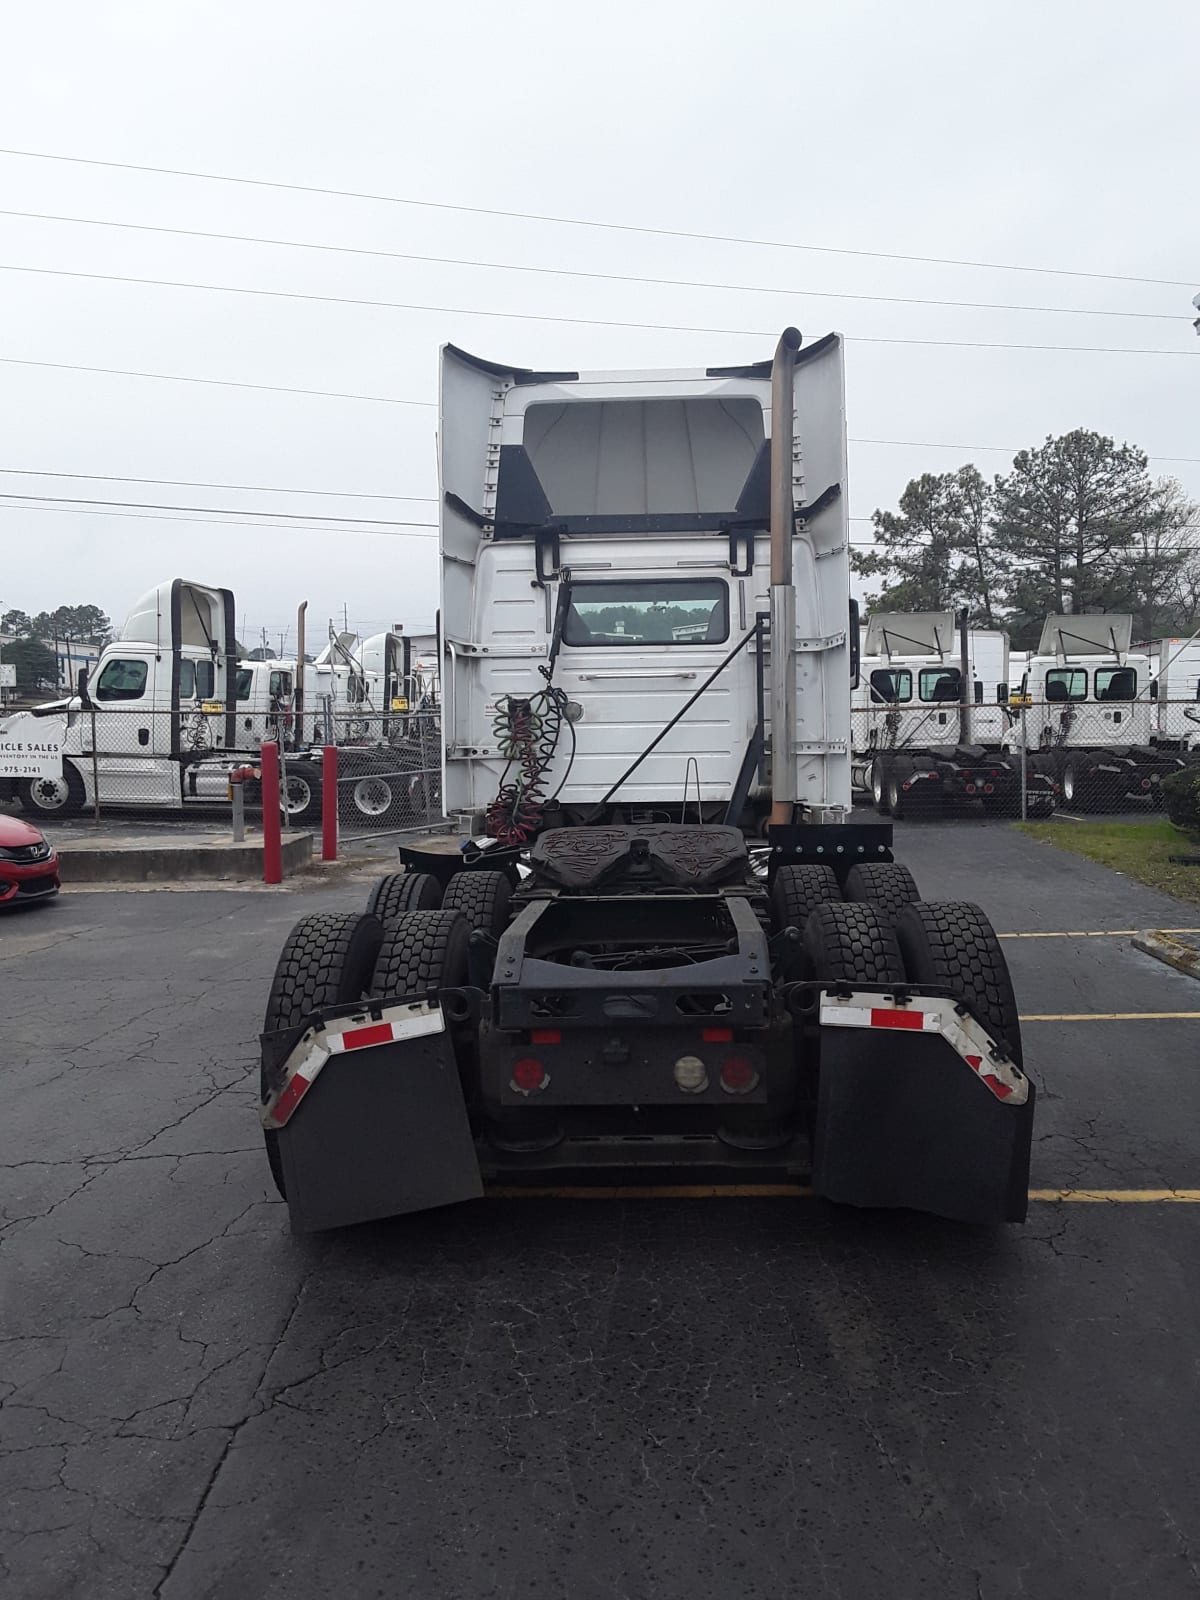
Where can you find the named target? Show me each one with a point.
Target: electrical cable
(582, 222)
(218, 383)
(603, 277)
(587, 322)
(66, 501)
(192, 483)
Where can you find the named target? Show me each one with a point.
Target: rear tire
(796, 892)
(327, 960)
(401, 892)
(53, 797)
(898, 801)
(482, 897)
(884, 884)
(851, 943)
(303, 791)
(954, 944)
(878, 777)
(422, 952)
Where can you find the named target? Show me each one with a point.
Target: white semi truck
(924, 732)
(1086, 716)
(649, 648)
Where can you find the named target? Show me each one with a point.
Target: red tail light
(738, 1075)
(529, 1075)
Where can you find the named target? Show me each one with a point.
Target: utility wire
(192, 483)
(589, 322)
(219, 383)
(583, 222)
(605, 277)
(429, 529)
(391, 400)
(239, 511)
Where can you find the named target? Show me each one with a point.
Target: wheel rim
(372, 796)
(895, 798)
(299, 796)
(876, 783)
(49, 794)
(1069, 785)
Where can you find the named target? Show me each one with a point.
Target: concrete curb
(175, 861)
(1176, 953)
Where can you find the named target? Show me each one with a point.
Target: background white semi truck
(1086, 715)
(930, 717)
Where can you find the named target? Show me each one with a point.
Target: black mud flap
(380, 1133)
(903, 1122)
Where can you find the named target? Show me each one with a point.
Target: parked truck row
(944, 714)
(169, 712)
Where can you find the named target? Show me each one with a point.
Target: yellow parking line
(1096, 933)
(1125, 1197)
(1109, 1016)
(794, 1191)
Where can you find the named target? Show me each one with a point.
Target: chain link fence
(148, 761)
(1027, 758)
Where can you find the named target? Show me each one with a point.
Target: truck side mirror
(855, 644)
(82, 689)
(1154, 690)
(1001, 694)
(978, 692)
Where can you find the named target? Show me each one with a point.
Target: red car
(28, 863)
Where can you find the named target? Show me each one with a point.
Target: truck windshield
(1066, 683)
(1116, 683)
(122, 680)
(940, 684)
(655, 611)
(891, 686)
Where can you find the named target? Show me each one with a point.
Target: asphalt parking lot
(603, 1399)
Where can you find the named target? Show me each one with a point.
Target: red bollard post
(272, 835)
(329, 803)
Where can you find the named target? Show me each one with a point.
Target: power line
(582, 222)
(220, 383)
(192, 483)
(86, 509)
(240, 511)
(216, 519)
(605, 277)
(1001, 449)
(538, 316)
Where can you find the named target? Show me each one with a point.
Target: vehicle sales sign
(29, 756)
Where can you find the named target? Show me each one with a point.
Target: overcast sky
(1062, 135)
